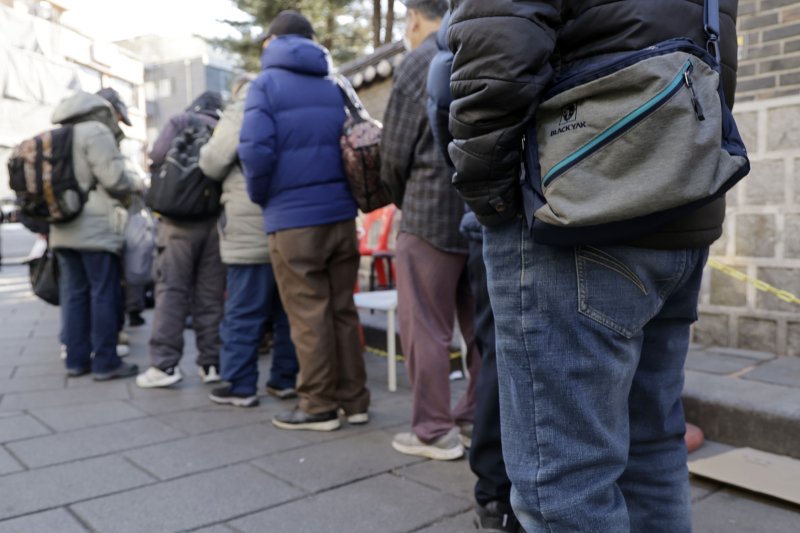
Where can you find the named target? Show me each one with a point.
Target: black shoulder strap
(711, 25)
(351, 103)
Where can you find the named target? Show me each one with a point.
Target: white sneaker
(209, 374)
(445, 448)
(153, 378)
(123, 350)
(63, 354)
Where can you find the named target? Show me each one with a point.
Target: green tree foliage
(345, 27)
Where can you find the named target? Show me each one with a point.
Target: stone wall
(761, 238)
(769, 49)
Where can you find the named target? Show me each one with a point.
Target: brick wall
(769, 51)
(761, 238)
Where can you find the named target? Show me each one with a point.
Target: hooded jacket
(289, 143)
(506, 53)
(206, 108)
(242, 240)
(100, 169)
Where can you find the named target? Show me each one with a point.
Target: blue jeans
(90, 294)
(253, 301)
(591, 346)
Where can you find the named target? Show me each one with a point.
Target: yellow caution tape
(399, 356)
(762, 286)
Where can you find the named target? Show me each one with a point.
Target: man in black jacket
(189, 274)
(591, 339)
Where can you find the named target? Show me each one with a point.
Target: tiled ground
(80, 456)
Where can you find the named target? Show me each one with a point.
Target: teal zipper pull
(687, 77)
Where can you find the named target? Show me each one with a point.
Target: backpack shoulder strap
(711, 26)
(352, 104)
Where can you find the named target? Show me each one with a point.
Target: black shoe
(281, 394)
(135, 319)
(224, 396)
(299, 419)
(124, 370)
(495, 517)
(78, 372)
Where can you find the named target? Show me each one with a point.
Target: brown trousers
(433, 288)
(316, 269)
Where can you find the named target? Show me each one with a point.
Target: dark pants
(433, 289)
(134, 298)
(316, 269)
(90, 304)
(189, 276)
(486, 453)
(253, 301)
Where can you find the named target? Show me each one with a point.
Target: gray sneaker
(445, 448)
(465, 435)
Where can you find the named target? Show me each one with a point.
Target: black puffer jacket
(507, 51)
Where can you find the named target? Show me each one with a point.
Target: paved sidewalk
(80, 456)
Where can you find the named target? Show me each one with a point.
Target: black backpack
(41, 174)
(179, 189)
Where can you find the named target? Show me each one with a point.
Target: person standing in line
(591, 338)
(88, 248)
(292, 161)
(189, 274)
(432, 282)
(253, 298)
(493, 488)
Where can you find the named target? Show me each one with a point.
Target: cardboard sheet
(754, 470)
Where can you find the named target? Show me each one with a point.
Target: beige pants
(316, 269)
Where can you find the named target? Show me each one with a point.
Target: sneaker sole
(109, 377)
(328, 425)
(275, 393)
(437, 454)
(158, 384)
(358, 419)
(237, 402)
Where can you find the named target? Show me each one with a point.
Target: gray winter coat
(99, 168)
(241, 225)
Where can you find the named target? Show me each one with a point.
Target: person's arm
(501, 65)
(219, 154)
(107, 164)
(160, 148)
(257, 142)
(403, 125)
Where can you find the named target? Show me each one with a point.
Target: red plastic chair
(376, 231)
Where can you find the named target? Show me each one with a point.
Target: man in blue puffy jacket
(292, 162)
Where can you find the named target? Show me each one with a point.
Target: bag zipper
(682, 79)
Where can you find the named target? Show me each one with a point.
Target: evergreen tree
(345, 40)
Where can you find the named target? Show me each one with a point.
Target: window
(150, 91)
(165, 88)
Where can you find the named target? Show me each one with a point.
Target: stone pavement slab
(210, 417)
(385, 503)
(98, 392)
(53, 368)
(20, 426)
(8, 464)
(50, 487)
(222, 528)
(356, 457)
(187, 503)
(460, 523)
(90, 442)
(212, 450)
(452, 477)
(781, 371)
(729, 511)
(57, 520)
(72, 417)
(38, 383)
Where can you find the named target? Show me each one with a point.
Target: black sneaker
(497, 517)
(281, 394)
(224, 396)
(135, 319)
(78, 372)
(299, 419)
(124, 370)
